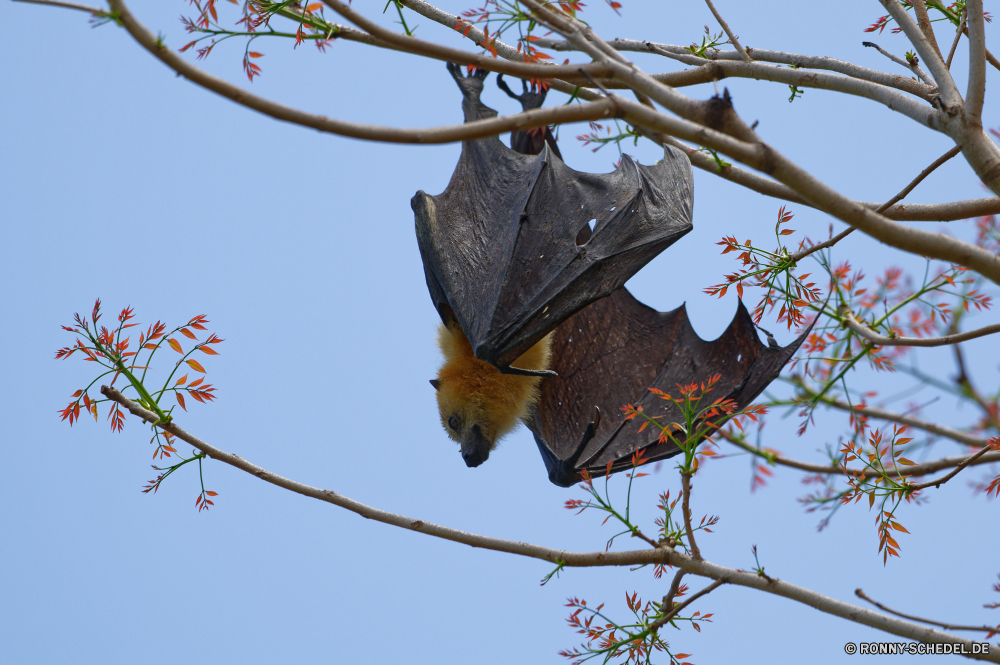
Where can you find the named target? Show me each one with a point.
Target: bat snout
(475, 447)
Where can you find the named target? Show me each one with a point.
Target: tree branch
(976, 92)
(914, 471)
(798, 256)
(686, 509)
(942, 480)
(903, 83)
(879, 340)
(891, 416)
(659, 623)
(465, 132)
(924, 21)
(947, 626)
(958, 37)
(928, 52)
(661, 555)
(733, 39)
(912, 66)
(94, 11)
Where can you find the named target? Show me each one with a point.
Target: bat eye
(453, 423)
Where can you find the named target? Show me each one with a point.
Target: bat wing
(610, 354)
(518, 243)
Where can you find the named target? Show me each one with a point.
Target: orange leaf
(175, 345)
(210, 351)
(180, 400)
(182, 380)
(195, 365)
(903, 460)
(255, 54)
(187, 333)
(210, 493)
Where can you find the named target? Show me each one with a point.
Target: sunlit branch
(766, 159)
(733, 39)
(947, 626)
(798, 256)
(912, 66)
(662, 555)
(903, 83)
(928, 52)
(449, 134)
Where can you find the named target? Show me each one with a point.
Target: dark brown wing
(610, 354)
(503, 248)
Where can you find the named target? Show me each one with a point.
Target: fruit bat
(518, 243)
(509, 257)
(612, 353)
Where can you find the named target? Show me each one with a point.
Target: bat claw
(517, 371)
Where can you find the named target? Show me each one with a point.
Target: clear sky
(121, 181)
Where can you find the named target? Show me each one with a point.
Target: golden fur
(476, 393)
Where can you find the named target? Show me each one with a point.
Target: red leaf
(175, 345)
(180, 400)
(195, 365)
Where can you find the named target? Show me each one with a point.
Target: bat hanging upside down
(478, 404)
(525, 261)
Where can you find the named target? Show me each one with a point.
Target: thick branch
(879, 340)
(924, 21)
(662, 555)
(467, 131)
(927, 51)
(764, 158)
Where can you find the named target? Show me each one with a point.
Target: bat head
(478, 405)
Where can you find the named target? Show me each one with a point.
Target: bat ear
(436, 384)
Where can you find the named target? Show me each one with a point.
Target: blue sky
(124, 182)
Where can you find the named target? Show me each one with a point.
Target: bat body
(525, 260)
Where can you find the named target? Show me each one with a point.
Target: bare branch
(765, 158)
(879, 340)
(947, 626)
(94, 11)
(464, 132)
(928, 52)
(904, 83)
(798, 256)
(924, 21)
(914, 471)
(733, 39)
(958, 37)
(913, 66)
(662, 555)
(976, 92)
(891, 416)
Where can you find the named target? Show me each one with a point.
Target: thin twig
(914, 471)
(798, 256)
(879, 340)
(958, 37)
(733, 39)
(662, 555)
(912, 65)
(686, 509)
(947, 626)
(943, 479)
(656, 625)
(675, 587)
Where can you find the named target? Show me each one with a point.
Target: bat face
(479, 405)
